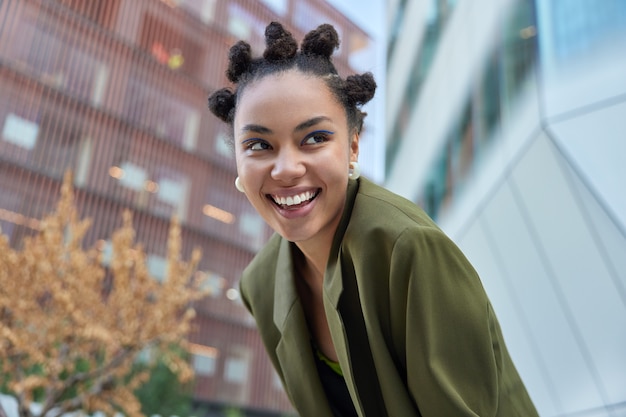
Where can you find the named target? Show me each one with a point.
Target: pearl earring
(355, 171)
(238, 185)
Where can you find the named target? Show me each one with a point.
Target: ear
(354, 147)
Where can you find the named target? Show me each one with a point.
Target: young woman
(364, 306)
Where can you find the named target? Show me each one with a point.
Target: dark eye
(257, 145)
(315, 138)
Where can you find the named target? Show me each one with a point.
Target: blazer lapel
(342, 305)
(294, 350)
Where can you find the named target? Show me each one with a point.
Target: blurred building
(507, 121)
(116, 91)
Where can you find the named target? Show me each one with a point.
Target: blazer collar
(294, 350)
(285, 293)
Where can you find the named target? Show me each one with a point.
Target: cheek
(250, 173)
(243, 164)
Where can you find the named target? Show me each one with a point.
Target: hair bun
(222, 104)
(280, 43)
(360, 88)
(239, 61)
(321, 41)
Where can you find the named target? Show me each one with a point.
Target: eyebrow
(255, 128)
(311, 122)
(302, 126)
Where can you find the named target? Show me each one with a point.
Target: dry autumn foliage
(70, 340)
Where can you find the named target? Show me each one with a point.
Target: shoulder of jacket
(379, 211)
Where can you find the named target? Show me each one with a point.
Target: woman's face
(293, 151)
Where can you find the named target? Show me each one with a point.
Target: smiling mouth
(294, 201)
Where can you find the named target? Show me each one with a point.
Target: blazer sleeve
(451, 355)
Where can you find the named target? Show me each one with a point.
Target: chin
(294, 235)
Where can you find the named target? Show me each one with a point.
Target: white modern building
(506, 120)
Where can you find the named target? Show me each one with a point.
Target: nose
(288, 165)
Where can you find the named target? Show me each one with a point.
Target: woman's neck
(313, 260)
(315, 251)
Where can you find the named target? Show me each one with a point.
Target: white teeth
(293, 200)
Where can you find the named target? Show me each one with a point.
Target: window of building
(59, 144)
(171, 188)
(20, 131)
(488, 99)
(438, 15)
(221, 145)
(132, 176)
(236, 370)
(396, 28)
(157, 266)
(168, 116)
(253, 226)
(204, 359)
(212, 283)
(204, 9)
(170, 45)
(42, 45)
(578, 25)
(506, 72)
(204, 365)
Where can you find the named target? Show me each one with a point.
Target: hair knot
(280, 43)
(239, 61)
(321, 41)
(360, 88)
(222, 104)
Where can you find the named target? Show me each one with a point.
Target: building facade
(117, 92)
(505, 121)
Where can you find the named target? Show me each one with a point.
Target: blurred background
(505, 120)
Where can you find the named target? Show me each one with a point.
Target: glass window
(169, 116)
(205, 9)
(19, 131)
(204, 359)
(204, 365)
(438, 13)
(253, 226)
(172, 192)
(213, 283)
(132, 176)
(507, 70)
(578, 25)
(157, 266)
(396, 28)
(63, 58)
(487, 100)
(236, 370)
(171, 45)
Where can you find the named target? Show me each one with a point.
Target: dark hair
(281, 54)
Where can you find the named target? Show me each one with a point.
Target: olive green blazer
(412, 326)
